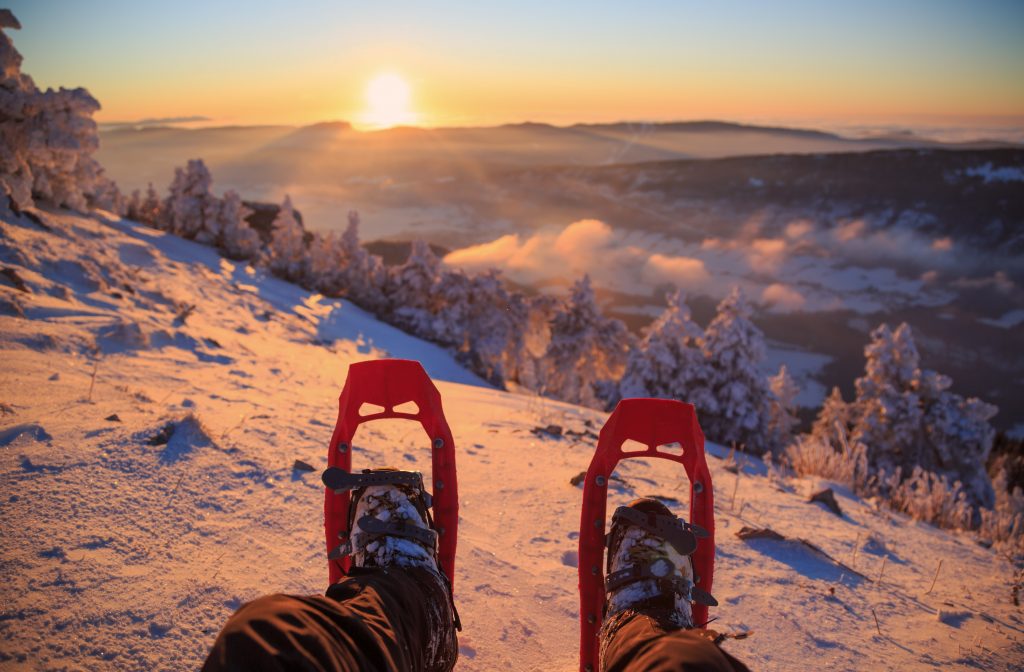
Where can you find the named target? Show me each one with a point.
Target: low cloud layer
(802, 267)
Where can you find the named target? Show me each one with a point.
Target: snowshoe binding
(392, 527)
(649, 565)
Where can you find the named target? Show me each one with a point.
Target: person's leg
(650, 590)
(375, 619)
(635, 642)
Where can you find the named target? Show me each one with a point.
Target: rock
(112, 418)
(299, 465)
(759, 533)
(828, 498)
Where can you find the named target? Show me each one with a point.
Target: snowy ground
(119, 554)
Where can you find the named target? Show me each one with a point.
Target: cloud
(587, 246)
(783, 298)
(685, 272)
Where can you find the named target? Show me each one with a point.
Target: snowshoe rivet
(342, 535)
(597, 522)
(594, 570)
(440, 531)
(439, 485)
(591, 618)
(600, 480)
(343, 447)
(696, 578)
(588, 667)
(698, 487)
(438, 443)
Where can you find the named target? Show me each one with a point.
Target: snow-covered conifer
(782, 408)
(362, 275)
(48, 138)
(286, 254)
(191, 208)
(735, 408)
(587, 350)
(412, 291)
(237, 239)
(887, 408)
(668, 362)
(833, 417)
(908, 418)
(326, 264)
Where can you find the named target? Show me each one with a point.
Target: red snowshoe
(670, 431)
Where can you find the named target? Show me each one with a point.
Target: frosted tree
(782, 407)
(735, 407)
(48, 138)
(909, 419)
(587, 351)
(833, 417)
(144, 207)
(413, 291)
(481, 321)
(887, 408)
(958, 435)
(191, 208)
(286, 254)
(325, 264)
(151, 206)
(668, 362)
(237, 239)
(362, 276)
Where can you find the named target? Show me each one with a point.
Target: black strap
(680, 534)
(339, 480)
(663, 571)
(376, 527)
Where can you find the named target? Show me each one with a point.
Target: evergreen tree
(833, 417)
(413, 291)
(587, 351)
(362, 276)
(191, 208)
(908, 418)
(48, 139)
(286, 254)
(237, 239)
(782, 408)
(735, 406)
(668, 362)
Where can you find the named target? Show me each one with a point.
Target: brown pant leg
(374, 619)
(633, 642)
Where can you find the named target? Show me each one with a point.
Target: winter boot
(649, 567)
(392, 527)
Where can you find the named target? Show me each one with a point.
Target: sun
(388, 99)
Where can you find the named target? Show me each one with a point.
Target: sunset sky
(477, 63)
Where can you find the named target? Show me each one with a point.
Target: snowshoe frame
(388, 383)
(655, 423)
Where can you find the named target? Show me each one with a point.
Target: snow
(124, 555)
(1009, 320)
(990, 174)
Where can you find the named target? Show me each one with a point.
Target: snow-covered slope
(122, 553)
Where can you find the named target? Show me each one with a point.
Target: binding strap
(681, 535)
(664, 572)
